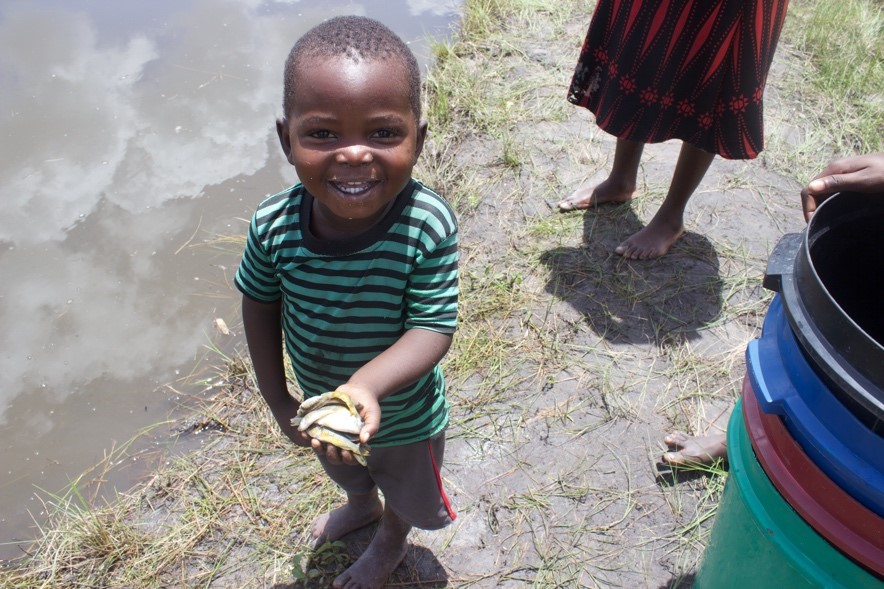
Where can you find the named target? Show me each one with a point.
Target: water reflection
(130, 133)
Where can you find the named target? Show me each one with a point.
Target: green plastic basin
(759, 541)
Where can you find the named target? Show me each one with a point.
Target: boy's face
(353, 139)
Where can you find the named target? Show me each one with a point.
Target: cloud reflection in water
(125, 130)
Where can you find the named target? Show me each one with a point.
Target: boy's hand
(412, 356)
(369, 410)
(283, 416)
(297, 437)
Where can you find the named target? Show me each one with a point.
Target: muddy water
(132, 134)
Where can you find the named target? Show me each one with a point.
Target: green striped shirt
(346, 301)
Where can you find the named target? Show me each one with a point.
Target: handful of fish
(332, 418)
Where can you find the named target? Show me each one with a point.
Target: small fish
(327, 436)
(332, 418)
(335, 417)
(326, 399)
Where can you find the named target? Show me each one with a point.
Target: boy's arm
(263, 327)
(412, 356)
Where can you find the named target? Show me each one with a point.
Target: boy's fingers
(333, 454)
(371, 425)
(327, 451)
(348, 458)
(371, 420)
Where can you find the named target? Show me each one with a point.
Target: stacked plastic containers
(804, 502)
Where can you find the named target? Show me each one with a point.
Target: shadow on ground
(636, 301)
(419, 570)
(680, 582)
(669, 476)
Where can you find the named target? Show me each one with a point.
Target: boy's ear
(421, 137)
(285, 140)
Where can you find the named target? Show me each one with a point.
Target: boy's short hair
(355, 37)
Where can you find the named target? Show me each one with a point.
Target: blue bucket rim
(836, 440)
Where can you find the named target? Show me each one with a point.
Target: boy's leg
(358, 512)
(668, 224)
(409, 478)
(362, 508)
(618, 187)
(380, 559)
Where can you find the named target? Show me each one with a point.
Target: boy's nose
(354, 155)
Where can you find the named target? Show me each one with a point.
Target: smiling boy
(354, 270)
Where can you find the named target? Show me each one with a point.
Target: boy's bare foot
(358, 512)
(385, 552)
(695, 449)
(652, 241)
(607, 191)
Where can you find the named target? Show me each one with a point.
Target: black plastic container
(831, 278)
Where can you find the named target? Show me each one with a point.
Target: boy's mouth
(353, 187)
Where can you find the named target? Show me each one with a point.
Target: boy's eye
(320, 134)
(384, 134)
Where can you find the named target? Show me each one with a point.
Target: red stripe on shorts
(445, 500)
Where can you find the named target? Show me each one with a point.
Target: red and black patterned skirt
(695, 70)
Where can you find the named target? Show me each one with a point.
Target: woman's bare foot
(385, 552)
(668, 224)
(695, 449)
(652, 241)
(358, 512)
(608, 191)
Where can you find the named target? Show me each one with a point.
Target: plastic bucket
(837, 441)
(840, 519)
(759, 541)
(830, 277)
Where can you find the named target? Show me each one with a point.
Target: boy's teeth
(352, 187)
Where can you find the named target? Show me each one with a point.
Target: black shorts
(409, 478)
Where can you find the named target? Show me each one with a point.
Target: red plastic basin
(833, 513)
